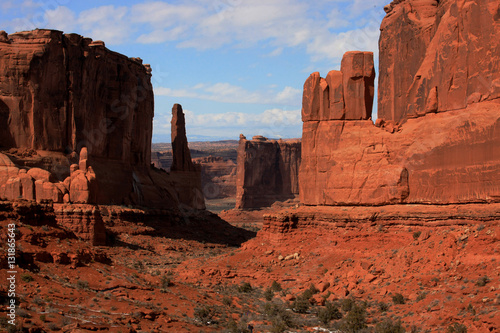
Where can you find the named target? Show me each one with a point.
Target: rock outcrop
(343, 95)
(76, 125)
(438, 56)
(186, 176)
(267, 171)
(434, 56)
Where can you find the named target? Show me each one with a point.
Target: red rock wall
(76, 125)
(62, 92)
(441, 159)
(267, 171)
(438, 56)
(434, 56)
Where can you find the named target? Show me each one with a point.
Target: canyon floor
(361, 270)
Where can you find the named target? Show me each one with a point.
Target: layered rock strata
(437, 56)
(76, 125)
(267, 171)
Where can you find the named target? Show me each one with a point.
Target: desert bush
(268, 294)
(346, 304)
(398, 299)
(457, 328)
(278, 314)
(421, 296)
(388, 326)
(275, 286)
(482, 281)
(81, 284)
(416, 235)
(301, 304)
(26, 277)
(43, 318)
(233, 327)
(278, 326)
(204, 314)
(383, 307)
(165, 282)
(227, 301)
(355, 320)
(245, 287)
(308, 293)
(328, 313)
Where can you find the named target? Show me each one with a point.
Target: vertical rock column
(185, 175)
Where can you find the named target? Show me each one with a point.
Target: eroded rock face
(435, 56)
(438, 56)
(343, 95)
(96, 98)
(443, 158)
(76, 124)
(267, 171)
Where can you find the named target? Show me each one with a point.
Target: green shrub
(301, 304)
(275, 286)
(81, 284)
(482, 281)
(355, 320)
(383, 307)
(204, 314)
(308, 293)
(387, 326)
(278, 314)
(346, 304)
(328, 313)
(398, 299)
(278, 326)
(245, 287)
(165, 282)
(26, 278)
(268, 294)
(457, 328)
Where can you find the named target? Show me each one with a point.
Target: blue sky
(236, 66)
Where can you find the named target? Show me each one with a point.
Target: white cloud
(107, 23)
(227, 93)
(62, 18)
(273, 123)
(202, 24)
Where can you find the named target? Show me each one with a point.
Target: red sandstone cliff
(426, 66)
(438, 56)
(76, 124)
(267, 171)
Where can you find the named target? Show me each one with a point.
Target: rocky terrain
(396, 228)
